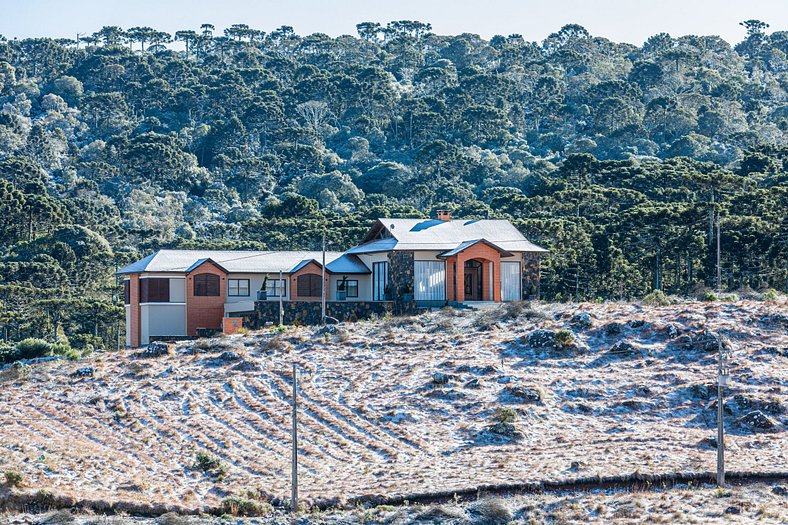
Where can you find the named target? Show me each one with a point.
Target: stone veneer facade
(308, 312)
(401, 282)
(531, 288)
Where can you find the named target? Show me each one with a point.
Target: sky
(630, 21)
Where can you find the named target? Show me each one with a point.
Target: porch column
(496, 279)
(134, 310)
(460, 278)
(451, 283)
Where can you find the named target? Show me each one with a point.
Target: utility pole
(323, 284)
(719, 266)
(723, 380)
(294, 475)
(282, 289)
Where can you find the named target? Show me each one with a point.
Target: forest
(625, 161)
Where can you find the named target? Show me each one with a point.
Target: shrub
(770, 295)
(657, 298)
(238, 506)
(210, 464)
(504, 415)
(7, 354)
(86, 343)
(729, 297)
(31, 348)
(564, 337)
(710, 296)
(13, 479)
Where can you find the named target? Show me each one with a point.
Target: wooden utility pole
(294, 474)
(323, 284)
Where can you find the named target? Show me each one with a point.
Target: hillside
(406, 405)
(618, 158)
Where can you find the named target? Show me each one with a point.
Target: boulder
(623, 348)
(581, 320)
(85, 371)
(155, 349)
(523, 393)
(552, 339)
(441, 378)
(503, 432)
(613, 328)
(756, 421)
(229, 355)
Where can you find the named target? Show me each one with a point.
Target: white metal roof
(233, 261)
(434, 234)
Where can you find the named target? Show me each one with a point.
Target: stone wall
(308, 312)
(531, 276)
(401, 283)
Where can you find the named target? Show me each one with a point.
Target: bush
(7, 354)
(564, 337)
(210, 464)
(710, 296)
(13, 479)
(504, 415)
(770, 295)
(86, 343)
(238, 506)
(657, 298)
(31, 348)
(729, 298)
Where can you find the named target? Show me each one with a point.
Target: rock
(581, 320)
(155, 349)
(229, 356)
(636, 323)
(701, 391)
(623, 348)
(507, 430)
(756, 421)
(708, 443)
(441, 378)
(247, 366)
(733, 510)
(85, 371)
(473, 383)
(613, 328)
(551, 339)
(780, 490)
(524, 393)
(672, 331)
(705, 341)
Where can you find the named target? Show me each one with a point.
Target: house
(401, 265)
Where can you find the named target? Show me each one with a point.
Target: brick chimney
(444, 215)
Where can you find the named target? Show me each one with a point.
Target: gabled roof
(467, 244)
(347, 264)
(434, 234)
(200, 262)
(180, 261)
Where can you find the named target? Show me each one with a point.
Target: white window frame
(238, 288)
(272, 288)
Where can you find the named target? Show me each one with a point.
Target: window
(511, 281)
(127, 291)
(351, 287)
(276, 287)
(154, 290)
(309, 285)
(429, 280)
(238, 287)
(206, 285)
(380, 280)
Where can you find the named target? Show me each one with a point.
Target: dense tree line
(618, 158)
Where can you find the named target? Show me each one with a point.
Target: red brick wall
(309, 268)
(488, 256)
(205, 312)
(134, 309)
(231, 325)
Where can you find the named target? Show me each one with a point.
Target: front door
(473, 280)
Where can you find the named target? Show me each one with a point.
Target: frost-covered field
(757, 503)
(447, 400)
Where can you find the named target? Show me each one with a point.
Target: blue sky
(621, 20)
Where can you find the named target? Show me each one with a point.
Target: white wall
(177, 290)
(162, 319)
(128, 325)
(364, 286)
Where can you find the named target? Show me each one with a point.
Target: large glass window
(429, 280)
(276, 287)
(127, 291)
(238, 287)
(380, 280)
(206, 285)
(351, 287)
(511, 282)
(154, 290)
(310, 285)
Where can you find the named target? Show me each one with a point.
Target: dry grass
(373, 421)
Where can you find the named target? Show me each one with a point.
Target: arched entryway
(474, 280)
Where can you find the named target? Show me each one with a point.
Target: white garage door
(511, 284)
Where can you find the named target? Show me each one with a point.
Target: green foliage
(657, 298)
(710, 297)
(591, 148)
(239, 506)
(32, 348)
(13, 479)
(504, 415)
(770, 295)
(210, 464)
(564, 337)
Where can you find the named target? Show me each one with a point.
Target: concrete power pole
(723, 380)
(323, 284)
(282, 289)
(294, 474)
(719, 264)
